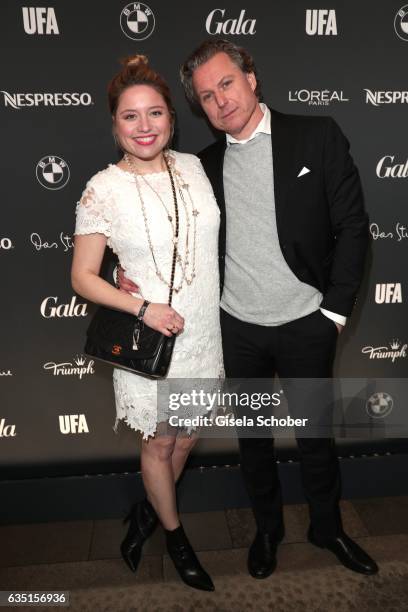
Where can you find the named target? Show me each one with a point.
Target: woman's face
(142, 122)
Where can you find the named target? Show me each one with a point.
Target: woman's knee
(160, 448)
(184, 444)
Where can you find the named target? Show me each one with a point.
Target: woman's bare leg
(158, 478)
(181, 451)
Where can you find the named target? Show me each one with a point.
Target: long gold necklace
(183, 262)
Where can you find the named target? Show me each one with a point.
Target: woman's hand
(164, 319)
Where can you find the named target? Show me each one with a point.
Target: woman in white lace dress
(129, 206)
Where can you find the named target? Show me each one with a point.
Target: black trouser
(304, 348)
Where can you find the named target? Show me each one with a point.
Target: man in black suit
(293, 238)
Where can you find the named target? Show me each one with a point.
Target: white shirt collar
(263, 127)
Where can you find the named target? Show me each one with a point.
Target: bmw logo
(137, 21)
(401, 23)
(379, 405)
(52, 172)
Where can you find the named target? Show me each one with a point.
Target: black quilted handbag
(119, 339)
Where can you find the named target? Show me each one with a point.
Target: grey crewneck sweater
(259, 286)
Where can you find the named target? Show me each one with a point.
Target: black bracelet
(142, 310)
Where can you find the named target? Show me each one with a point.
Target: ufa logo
(388, 293)
(321, 22)
(39, 20)
(401, 23)
(73, 424)
(137, 21)
(52, 172)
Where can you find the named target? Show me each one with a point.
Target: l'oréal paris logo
(314, 97)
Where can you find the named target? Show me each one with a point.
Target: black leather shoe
(348, 552)
(186, 562)
(262, 554)
(143, 521)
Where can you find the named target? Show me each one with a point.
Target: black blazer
(321, 222)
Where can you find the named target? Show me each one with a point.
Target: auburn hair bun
(135, 60)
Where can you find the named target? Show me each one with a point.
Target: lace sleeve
(93, 213)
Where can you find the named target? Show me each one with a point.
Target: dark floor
(85, 554)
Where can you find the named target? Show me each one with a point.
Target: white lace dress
(110, 205)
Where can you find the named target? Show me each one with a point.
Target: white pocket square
(303, 171)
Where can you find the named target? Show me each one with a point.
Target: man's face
(227, 96)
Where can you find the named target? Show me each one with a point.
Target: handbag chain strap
(176, 232)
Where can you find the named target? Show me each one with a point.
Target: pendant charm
(136, 336)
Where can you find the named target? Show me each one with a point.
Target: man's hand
(124, 284)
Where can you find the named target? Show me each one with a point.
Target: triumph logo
(39, 20)
(396, 350)
(7, 431)
(27, 100)
(317, 98)
(386, 97)
(63, 310)
(76, 367)
(401, 23)
(321, 22)
(137, 21)
(52, 172)
(388, 293)
(385, 170)
(6, 373)
(6, 244)
(73, 424)
(379, 405)
(214, 24)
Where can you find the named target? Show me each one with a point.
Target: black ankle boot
(143, 521)
(185, 560)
